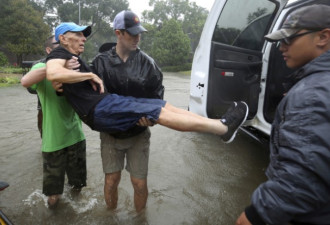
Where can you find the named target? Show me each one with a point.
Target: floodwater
(193, 178)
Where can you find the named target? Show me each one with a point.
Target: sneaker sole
(243, 121)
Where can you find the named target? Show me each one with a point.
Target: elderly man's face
(75, 42)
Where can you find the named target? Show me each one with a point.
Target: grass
(8, 81)
(10, 75)
(186, 72)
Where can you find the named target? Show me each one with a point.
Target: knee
(140, 186)
(112, 180)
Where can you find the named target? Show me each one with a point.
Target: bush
(184, 67)
(7, 81)
(3, 59)
(10, 69)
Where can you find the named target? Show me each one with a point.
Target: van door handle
(225, 64)
(199, 85)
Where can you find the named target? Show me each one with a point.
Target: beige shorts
(135, 149)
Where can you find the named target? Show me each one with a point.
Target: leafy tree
(193, 23)
(190, 16)
(171, 46)
(21, 28)
(3, 59)
(148, 38)
(97, 13)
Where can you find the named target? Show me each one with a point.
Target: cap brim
(136, 30)
(87, 30)
(280, 34)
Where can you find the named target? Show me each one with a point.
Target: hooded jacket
(139, 77)
(298, 186)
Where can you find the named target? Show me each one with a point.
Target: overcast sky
(139, 6)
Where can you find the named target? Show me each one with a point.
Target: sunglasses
(288, 40)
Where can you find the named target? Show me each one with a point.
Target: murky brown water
(193, 178)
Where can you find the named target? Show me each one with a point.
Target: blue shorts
(119, 113)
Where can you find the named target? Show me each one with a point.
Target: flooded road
(193, 178)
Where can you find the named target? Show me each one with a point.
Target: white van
(233, 61)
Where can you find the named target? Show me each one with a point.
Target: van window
(244, 25)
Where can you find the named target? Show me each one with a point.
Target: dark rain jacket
(298, 188)
(139, 77)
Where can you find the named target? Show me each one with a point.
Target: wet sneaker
(233, 119)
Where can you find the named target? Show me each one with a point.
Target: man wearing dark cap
(128, 71)
(298, 186)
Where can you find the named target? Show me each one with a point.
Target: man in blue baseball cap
(71, 27)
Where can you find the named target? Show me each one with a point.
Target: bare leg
(111, 183)
(181, 111)
(53, 200)
(140, 193)
(183, 120)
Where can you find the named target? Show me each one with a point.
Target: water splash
(80, 204)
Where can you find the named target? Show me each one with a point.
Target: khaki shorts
(135, 149)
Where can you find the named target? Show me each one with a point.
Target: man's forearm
(33, 77)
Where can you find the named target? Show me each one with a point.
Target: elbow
(24, 82)
(51, 76)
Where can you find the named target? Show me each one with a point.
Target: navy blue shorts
(119, 113)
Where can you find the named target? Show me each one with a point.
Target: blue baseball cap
(129, 21)
(71, 27)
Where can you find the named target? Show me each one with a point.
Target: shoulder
(144, 57)
(59, 53)
(38, 65)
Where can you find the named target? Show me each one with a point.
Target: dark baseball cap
(312, 17)
(71, 27)
(129, 21)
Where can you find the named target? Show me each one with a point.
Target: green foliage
(148, 38)
(171, 46)
(11, 70)
(9, 80)
(22, 28)
(25, 24)
(190, 16)
(3, 59)
(183, 67)
(96, 13)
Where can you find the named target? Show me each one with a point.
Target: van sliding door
(236, 57)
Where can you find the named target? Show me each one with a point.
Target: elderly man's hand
(57, 86)
(144, 122)
(97, 83)
(72, 64)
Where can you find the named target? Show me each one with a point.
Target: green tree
(190, 16)
(21, 28)
(171, 46)
(3, 59)
(96, 13)
(148, 38)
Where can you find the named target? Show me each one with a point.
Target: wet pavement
(193, 178)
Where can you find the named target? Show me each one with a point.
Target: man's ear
(48, 50)
(324, 37)
(118, 32)
(62, 39)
